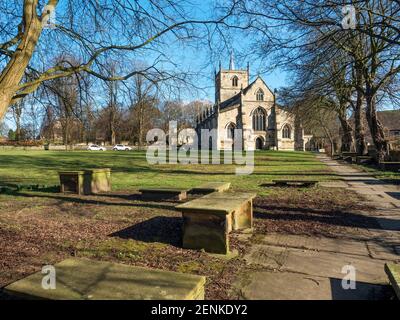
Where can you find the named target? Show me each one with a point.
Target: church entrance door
(259, 143)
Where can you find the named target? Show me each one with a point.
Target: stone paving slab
(317, 243)
(269, 285)
(301, 267)
(328, 264)
(383, 252)
(84, 279)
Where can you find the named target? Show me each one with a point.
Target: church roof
(230, 102)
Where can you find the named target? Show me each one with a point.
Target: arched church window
(260, 95)
(235, 81)
(286, 132)
(259, 119)
(231, 131)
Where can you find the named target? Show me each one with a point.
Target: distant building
(390, 120)
(252, 108)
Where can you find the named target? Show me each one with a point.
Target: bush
(25, 143)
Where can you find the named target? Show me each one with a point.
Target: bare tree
(92, 31)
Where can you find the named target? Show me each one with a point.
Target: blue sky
(196, 58)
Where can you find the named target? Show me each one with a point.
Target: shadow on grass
(81, 200)
(13, 188)
(161, 229)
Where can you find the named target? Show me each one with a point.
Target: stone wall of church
(224, 118)
(224, 88)
(283, 119)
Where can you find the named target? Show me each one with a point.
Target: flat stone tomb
(211, 187)
(297, 183)
(71, 182)
(87, 181)
(97, 180)
(393, 272)
(163, 194)
(84, 279)
(207, 221)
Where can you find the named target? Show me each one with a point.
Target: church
(251, 107)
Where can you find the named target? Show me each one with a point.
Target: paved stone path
(302, 267)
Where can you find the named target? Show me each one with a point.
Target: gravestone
(84, 279)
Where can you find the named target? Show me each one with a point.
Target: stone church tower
(251, 107)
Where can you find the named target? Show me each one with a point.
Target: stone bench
(211, 187)
(163, 194)
(393, 272)
(294, 183)
(88, 181)
(207, 221)
(389, 166)
(84, 279)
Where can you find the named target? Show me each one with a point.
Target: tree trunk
(376, 128)
(66, 133)
(347, 136)
(112, 126)
(359, 132)
(12, 74)
(17, 124)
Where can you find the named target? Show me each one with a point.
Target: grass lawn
(389, 176)
(38, 228)
(131, 171)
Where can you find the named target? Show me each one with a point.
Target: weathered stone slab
(84, 279)
(211, 187)
(206, 231)
(71, 181)
(393, 272)
(239, 204)
(163, 194)
(208, 220)
(97, 180)
(316, 263)
(383, 252)
(317, 243)
(269, 285)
